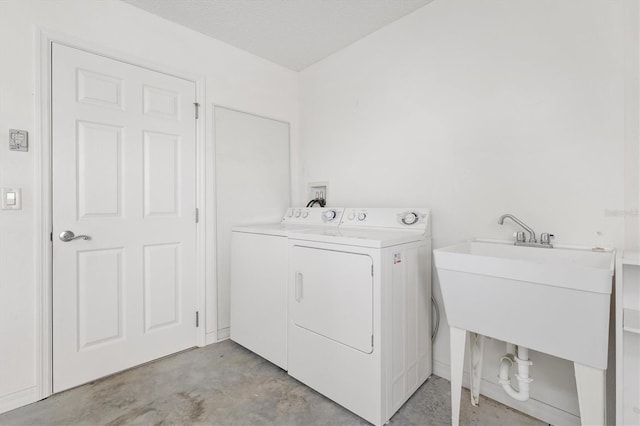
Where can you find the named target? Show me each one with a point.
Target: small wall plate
(18, 140)
(11, 199)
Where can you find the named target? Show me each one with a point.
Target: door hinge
(197, 215)
(371, 270)
(197, 105)
(372, 340)
(51, 236)
(197, 319)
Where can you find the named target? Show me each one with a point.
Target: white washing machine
(359, 309)
(259, 265)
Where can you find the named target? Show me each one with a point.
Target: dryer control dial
(362, 216)
(290, 213)
(297, 213)
(329, 215)
(409, 218)
(305, 214)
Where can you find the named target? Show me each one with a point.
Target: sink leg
(458, 340)
(591, 384)
(476, 350)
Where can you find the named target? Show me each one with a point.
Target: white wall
(632, 128)
(475, 109)
(233, 78)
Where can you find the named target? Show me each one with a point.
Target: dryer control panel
(416, 219)
(313, 216)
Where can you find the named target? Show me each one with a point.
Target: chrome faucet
(532, 234)
(545, 238)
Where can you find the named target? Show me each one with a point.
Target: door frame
(42, 146)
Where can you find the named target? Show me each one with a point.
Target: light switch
(11, 198)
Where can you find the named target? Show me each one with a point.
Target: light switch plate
(11, 198)
(18, 140)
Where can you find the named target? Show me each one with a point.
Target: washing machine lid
(358, 237)
(274, 229)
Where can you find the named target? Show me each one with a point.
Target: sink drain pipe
(523, 363)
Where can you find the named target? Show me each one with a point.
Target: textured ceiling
(292, 33)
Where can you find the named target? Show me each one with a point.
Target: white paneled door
(124, 174)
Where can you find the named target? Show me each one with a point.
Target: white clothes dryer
(359, 309)
(259, 265)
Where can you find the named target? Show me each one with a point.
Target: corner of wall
(632, 127)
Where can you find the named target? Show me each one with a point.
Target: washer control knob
(409, 218)
(329, 215)
(352, 216)
(305, 214)
(297, 213)
(362, 216)
(290, 213)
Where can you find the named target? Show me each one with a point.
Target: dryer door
(333, 295)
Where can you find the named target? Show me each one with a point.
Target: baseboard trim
(534, 408)
(18, 399)
(217, 336)
(224, 333)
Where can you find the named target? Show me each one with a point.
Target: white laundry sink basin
(551, 300)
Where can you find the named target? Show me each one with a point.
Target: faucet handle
(519, 236)
(545, 238)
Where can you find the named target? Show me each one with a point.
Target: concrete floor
(225, 384)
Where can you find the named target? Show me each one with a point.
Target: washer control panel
(411, 218)
(313, 216)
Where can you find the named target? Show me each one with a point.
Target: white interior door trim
(42, 191)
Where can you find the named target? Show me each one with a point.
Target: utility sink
(550, 300)
(553, 300)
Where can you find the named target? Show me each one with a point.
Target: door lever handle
(67, 236)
